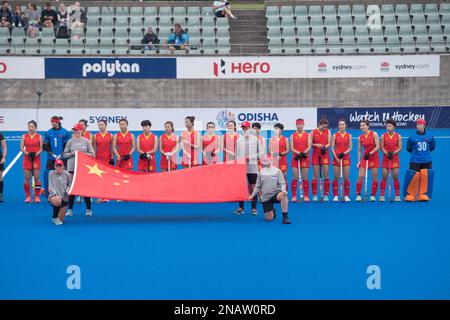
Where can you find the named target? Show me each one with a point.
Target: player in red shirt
(341, 146)
(300, 146)
(368, 146)
(229, 142)
(210, 145)
(190, 143)
(321, 141)
(391, 145)
(103, 144)
(256, 126)
(86, 134)
(31, 145)
(147, 144)
(279, 148)
(168, 146)
(124, 146)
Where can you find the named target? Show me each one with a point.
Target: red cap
(55, 119)
(77, 127)
(59, 162)
(300, 121)
(246, 124)
(421, 121)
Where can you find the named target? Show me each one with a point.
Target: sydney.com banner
(267, 67)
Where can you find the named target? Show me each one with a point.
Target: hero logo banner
(110, 68)
(241, 67)
(406, 117)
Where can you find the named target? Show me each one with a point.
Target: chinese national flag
(211, 183)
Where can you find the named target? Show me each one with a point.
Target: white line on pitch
(12, 163)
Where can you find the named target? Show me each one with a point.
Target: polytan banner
(15, 119)
(241, 67)
(384, 66)
(202, 184)
(22, 68)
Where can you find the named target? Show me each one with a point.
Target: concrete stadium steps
(248, 32)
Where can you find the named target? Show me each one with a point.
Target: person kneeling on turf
(271, 187)
(59, 183)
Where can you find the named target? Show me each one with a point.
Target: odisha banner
(406, 117)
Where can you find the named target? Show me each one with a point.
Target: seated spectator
(77, 17)
(5, 15)
(32, 17)
(222, 9)
(63, 18)
(18, 17)
(48, 16)
(150, 39)
(178, 40)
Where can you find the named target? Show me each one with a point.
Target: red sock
(314, 187)
(397, 187)
(306, 188)
(358, 187)
(374, 187)
(335, 188)
(26, 187)
(383, 187)
(37, 190)
(347, 187)
(294, 187)
(326, 186)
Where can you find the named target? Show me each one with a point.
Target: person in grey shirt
(59, 181)
(77, 143)
(271, 188)
(248, 151)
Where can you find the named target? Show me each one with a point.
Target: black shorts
(63, 204)
(418, 166)
(251, 178)
(220, 14)
(268, 205)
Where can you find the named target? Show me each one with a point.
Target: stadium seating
(345, 29)
(119, 30)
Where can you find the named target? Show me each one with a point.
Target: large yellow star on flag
(95, 170)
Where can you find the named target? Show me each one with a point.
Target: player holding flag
(419, 178)
(103, 144)
(210, 145)
(31, 146)
(168, 147)
(147, 144)
(300, 146)
(391, 145)
(229, 140)
(321, 140)
(368, 146)
(278, 148)
(84, 133)
(190, 143)
(341, 146)
(124, 146)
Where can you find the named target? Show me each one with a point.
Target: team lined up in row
(106, 146)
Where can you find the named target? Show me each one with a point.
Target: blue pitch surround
(163, 251)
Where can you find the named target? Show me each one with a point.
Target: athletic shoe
(325, 199)
(381, 199)
(254, 212)
(88, 213)
(398, 199)
(347, 199)
(37, 199)
(53, 220)
(57, 222)
(69, 213)
(239, 211)
(306, 199)
(358, 198)
(286, 220)
(315, 199)
(294, 199)
(372, 199)
(335, 199)
(1, 198)
(28, 199)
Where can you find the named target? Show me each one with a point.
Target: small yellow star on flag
(95, 170)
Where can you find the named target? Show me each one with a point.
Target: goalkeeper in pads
(271, 187)
(419, 177)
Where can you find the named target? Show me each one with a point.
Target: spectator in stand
(32, 16)
(77, 20)
(18, 17)
(63, 16)
(178, 40)
(49, 17)
(150, 39)
(222, 9)
(5, 15)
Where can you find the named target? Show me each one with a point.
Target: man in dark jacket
(150, 39)
(49, 16)
(5, 15)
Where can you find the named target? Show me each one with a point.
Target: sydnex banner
(22, 68)
(406, 117)
(110, 68)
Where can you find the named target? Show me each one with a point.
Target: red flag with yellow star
(211, 183)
